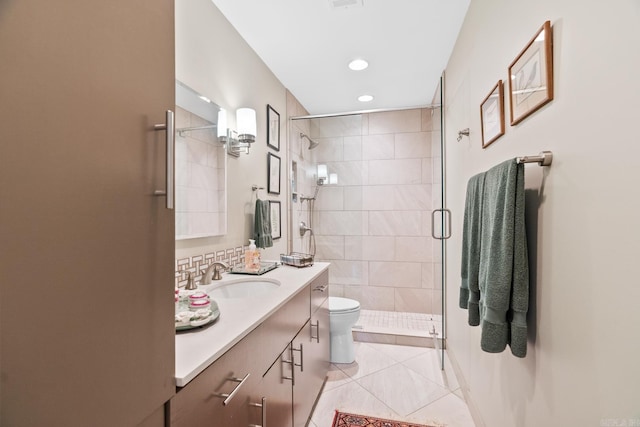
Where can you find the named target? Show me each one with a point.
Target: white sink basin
(244, 288)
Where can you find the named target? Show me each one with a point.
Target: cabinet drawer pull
(317, 326)
(291, 362)
(301, 364)
(320, 288)
(229, 396)
(262, 405)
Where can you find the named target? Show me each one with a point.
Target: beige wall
(213, 59)
(581, 368)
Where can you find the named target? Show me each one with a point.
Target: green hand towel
(504, 269)
(262, 225)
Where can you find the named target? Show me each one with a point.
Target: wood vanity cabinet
(286, 359)
(311, 353)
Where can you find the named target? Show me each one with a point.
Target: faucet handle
(191, 285)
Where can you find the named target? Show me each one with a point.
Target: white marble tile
(352, 148)
(428, 276)
(413, 300)
(203, 177)
(350, 397)
(372, 297)
(378, 248)
(376, 147)
(196, 199)
(400, 352)
(412, 145)
(330, 247)
(378, 197)
(395, 223)
(449, 411)
(354, 172)
(368, 360)
(196, 151)
(353, 198)
(328, 149)
(427, 171)
(330, 198)
(335, 378)
(395, 121)
(428, 365)
(414, 249)
(413, 197)
(349, 272)
(402, 389)
(342, 223)
(395, 274)
(427, 119)
(337, 126)
(399, 171)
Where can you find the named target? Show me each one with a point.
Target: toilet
(343, 314)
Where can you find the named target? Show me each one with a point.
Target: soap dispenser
(252, 257)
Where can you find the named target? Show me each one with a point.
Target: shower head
(312, 144)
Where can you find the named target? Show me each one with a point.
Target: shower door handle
(446, 218)
(169, 127)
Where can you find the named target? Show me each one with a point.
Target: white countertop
(196, 349)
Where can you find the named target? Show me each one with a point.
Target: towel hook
(257, 189)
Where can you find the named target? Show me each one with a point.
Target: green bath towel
(469, 289)
(495, 269)
(504, 269)
(262, 225)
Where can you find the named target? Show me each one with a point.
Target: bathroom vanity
(263, 362)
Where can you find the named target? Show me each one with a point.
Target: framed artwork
(531, 76)
(492, 115)
(273, 131)
(273, 174)
(275, 211)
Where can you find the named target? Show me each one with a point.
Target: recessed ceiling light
(358, 64)
(365, 98)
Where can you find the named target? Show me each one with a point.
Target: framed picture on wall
(273, 174)
(273, 128)
(531, 76)
(275, 212)
(492, 115)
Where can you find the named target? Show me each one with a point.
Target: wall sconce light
(238, 141)
(323, 176)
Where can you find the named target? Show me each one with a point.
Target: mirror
(201, 167)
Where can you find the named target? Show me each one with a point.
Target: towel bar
(543, 159)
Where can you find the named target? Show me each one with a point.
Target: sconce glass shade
(222, 123)
(322, 173)
(246, 121)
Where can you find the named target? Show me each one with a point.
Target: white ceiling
(309, 43)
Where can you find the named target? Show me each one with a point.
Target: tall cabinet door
(87, 250)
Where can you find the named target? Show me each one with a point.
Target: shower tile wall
(200, 179)
(374, 225)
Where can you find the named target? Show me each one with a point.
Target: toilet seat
(343, 305)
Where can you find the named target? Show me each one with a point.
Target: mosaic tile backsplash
(198, 264)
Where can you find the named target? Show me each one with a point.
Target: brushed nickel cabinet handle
(317, 326)
(169, 127)
(301, 364)
(262, 405)
(229, 396)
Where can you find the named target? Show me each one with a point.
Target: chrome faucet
(213, 272)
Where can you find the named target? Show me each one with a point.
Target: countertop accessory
(264, 267)
(297, 259)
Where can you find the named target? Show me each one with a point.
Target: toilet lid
(342, 304)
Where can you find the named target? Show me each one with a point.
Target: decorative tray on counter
(297, 259)
(187, 317)
(264, 267)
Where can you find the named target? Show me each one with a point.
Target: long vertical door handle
(446, 217)
(263, 406)
(317, 326)
(301, 364)
(169, 127)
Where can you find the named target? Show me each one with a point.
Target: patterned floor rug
(343, 419)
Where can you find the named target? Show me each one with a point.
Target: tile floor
(396, 382)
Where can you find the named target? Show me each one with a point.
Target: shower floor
(401, 328)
